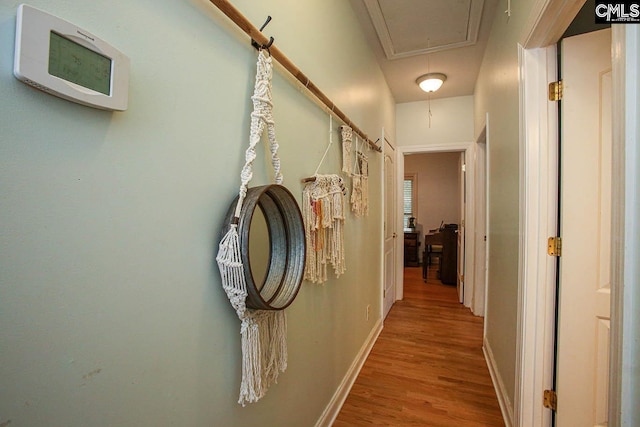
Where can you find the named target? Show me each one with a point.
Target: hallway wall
(497, 94)
(111, 306)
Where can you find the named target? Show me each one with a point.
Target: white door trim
(481, 211)
(624, 383)
(469, 149)
(487, 231)
(393, 149)
(548, 20)
(538, 221)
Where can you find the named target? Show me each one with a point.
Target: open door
(390, 258)
(585, 206)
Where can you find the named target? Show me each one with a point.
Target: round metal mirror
(274, 282)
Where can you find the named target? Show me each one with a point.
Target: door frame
(625, 295)
(481, 272)
(395, 263)
(538, 188)
(538, 221)
(462, 229)
(469, 149)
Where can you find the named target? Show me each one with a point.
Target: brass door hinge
(554, 246)
(555, 91)
(550, 400)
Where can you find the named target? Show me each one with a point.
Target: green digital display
(77, 64)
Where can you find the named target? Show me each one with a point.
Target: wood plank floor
(427, 366)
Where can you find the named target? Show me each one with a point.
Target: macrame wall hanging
(358, 170)
(260, 307)
(360, 183)
(323, 214)
(347, 137)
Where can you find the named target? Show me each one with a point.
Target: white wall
(451, 122)
(111, 307)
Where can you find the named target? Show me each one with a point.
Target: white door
(462, 181)
(389, 291)
(480, 270)
(585, 204)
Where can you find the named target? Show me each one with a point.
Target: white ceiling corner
(414, 27)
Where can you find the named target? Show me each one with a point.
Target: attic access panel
(414, 27)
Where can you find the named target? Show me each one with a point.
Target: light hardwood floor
(427, 366)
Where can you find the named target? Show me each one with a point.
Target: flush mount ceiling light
(431, 82)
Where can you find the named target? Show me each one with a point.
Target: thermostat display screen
(77, 64)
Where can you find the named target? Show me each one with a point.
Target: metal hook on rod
(269, 43)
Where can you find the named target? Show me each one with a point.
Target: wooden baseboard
(503, 399)
(333, 408)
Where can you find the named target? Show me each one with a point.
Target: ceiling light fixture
(431, 82)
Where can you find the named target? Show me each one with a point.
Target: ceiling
(413, 37)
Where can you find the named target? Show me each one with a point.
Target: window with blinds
(408, 197)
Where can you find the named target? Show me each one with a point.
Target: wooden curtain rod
(243, 23)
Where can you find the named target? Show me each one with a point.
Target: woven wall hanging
(360, 184)
(260, 306)
(323, 213)
(346, 134)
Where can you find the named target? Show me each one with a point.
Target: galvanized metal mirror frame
(287, 246)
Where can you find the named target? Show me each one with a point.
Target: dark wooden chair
(433, 247)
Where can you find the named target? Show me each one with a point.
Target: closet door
(585, 205)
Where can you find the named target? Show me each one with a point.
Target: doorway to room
(433, 212)
(460, 196)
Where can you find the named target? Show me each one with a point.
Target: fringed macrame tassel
(273, 337)
(251, 386)
(263, 332)
(264, 352)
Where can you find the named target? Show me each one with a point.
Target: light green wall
(497, 94)
(111, 307)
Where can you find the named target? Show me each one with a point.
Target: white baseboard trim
(333, 408)
(498, 385)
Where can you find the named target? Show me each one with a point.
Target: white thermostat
(62, 59)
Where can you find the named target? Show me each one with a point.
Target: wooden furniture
(432, 248)
(449, 260)
(411, 247)
(447, 240)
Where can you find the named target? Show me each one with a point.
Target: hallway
(427, 366)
